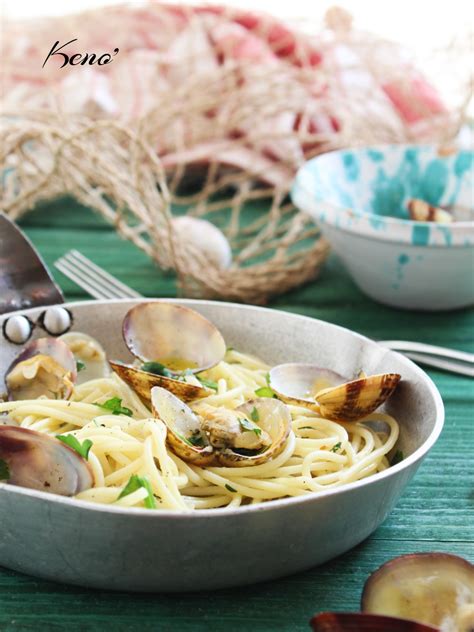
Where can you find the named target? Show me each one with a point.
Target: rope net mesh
(208, 112)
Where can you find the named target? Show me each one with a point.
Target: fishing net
(205, 112)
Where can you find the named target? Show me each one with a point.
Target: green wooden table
(434, 514)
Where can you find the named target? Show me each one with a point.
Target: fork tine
(84, 281)
(77, 258)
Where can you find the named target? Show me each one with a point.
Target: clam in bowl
(138, 549)
(360, 199)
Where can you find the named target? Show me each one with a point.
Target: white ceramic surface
(358, 198)
(137, 549)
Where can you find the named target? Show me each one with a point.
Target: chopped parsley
(197, 439)
(114, 405)
(157, 369)
(208, 383)
(254, 416)
(336, 447)
(74, 443)
(397, 457)
(4, 470)
(265, 391)
(136, 482)
(80, 366)
(247, 426)
(306, 428)
(231, 489)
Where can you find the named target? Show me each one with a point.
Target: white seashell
(57, 320)
(17, 329)
(202, 235)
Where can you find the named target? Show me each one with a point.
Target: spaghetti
(318, 454)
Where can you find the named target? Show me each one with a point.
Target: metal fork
(100, 284)
(91, 278)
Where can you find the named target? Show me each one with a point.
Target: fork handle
(451, 360)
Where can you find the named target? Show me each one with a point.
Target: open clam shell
(273, 418)
(142, 382)
(177, 337)
(191, 438)
(433, 588)
(330, 394)
(185, 436)
(45, 367)
(89, 353)
(37, 461)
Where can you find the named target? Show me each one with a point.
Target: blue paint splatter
(403, 259)
(463, 163)
(434, 181)
(420, 235)
(351, 165)
(447, 234)
(375, 155)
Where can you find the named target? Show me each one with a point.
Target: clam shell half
(177, 337)
(297, 383)
(182, 424)
(37, 461)
(90, 352)
(142, 382)
(433, 588)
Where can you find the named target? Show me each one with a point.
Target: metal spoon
(24, 278)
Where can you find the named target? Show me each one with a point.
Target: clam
(433, 588)
(91, 360)
(35, 460)
(421, 211)
(251, 434)
(172, 343)
(46, 367)
(329, 393)
(360, 622)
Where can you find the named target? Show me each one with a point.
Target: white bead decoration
(17, 329)
(56, 321)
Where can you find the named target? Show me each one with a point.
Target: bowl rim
(391, 221)
(407, 462)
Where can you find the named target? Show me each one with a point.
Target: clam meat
(251, 434)
(45, 368)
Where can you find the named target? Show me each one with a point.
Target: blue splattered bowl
(359, 199)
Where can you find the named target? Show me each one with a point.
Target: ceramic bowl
(110, 547)
(358, 198)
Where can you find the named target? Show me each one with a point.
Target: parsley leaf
(336, 447)
(114, 405)
(157, 369)
(80, 366)
(397, 458)
(254, 416)
(136, 482)
(208, 383)
(81, 448)
(265, 391)
(231, 489)
(4, 470)
(197, 439)
(248, 426)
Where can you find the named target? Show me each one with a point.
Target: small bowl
(359, 198)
